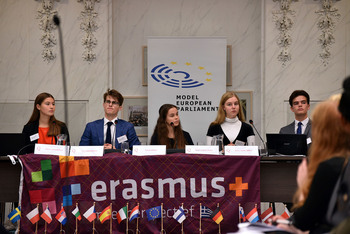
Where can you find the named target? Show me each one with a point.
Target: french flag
(253, 216)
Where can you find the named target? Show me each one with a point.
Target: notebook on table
(11, 143)
(286, 144)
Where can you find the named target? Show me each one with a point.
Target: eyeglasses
(114, 103)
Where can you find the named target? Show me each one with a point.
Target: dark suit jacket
(93, 133)
(33, 128)
(290, 129)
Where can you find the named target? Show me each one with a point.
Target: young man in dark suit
(110, 131)
(299, 102)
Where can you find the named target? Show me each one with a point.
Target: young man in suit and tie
(110, 131)
(299, 102)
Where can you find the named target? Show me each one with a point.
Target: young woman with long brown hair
(43, 127)
(168, 130)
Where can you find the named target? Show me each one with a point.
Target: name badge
(143, 150)
(202, 149)
(34, 137)
(242, 150)
(122, 139)
(86, 150)
(62, 150)
(308, 141)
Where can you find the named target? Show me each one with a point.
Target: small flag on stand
(61, 216)
(122, 214)
(76, 213)
(217, 215)
(105, 214)
(180, 215)
(253, 215)
(286, 213)
(15, 215)
(33, 216)
(242, 217)
(266, 215)
(46, 215)
(206, 212)
(154, 213)
(135, 213)
(90, 214)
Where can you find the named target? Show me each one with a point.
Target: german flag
(217, 215)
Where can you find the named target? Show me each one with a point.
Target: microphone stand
(172, 125)
(264, 144)
(56, 21)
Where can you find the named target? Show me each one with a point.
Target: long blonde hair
(328, 140)
(220, 118)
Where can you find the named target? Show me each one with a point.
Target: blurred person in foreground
(317, 177)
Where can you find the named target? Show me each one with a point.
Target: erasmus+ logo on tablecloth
(179, 78)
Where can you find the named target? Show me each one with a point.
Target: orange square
(82, 167)
(65, 158)
(67, 169)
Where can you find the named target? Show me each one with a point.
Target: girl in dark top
(42, 126)
(317, 178)
(168, 130)
(230, 121)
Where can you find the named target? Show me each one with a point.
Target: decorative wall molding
(89, 26)
(326, 23)
(48, 40)
(283, 19)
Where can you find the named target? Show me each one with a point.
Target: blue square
(75, 188)
(66, 190)
(67, 200)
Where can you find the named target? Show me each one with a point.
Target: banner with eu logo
(190, 73)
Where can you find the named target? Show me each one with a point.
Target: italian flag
(122, 214)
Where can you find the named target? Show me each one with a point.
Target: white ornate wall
(124, 26)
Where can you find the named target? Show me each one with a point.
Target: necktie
(299, 128)
(108, 135)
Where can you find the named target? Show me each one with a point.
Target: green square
(37, 176)
(47, 175)
(46, 165)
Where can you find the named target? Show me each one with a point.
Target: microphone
(115, 131)
(256, 130)
(57, 22)
(172, 125)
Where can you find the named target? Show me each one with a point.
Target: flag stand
(137, 221)
(110, 222)
(36, 224)
(76, 221)
(127, 217)
(93, 222)
(272, 208)
(45, 221)
(61, 226)
(182, 223)
(219, 223)
(239, 213)
(200, 218)
(161, 218)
